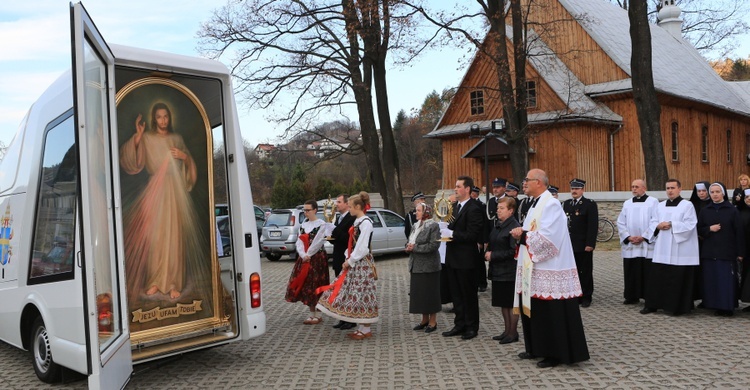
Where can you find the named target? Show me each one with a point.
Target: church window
(477, 102)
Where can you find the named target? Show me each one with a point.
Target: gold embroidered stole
(528, 265)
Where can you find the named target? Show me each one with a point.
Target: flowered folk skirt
(317, 275)
(356, 299)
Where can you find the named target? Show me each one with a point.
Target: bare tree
(495, 48)
(326, 55)
(712, 26)
(644, 94)
(420, 157)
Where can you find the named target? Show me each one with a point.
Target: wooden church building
(582, 117)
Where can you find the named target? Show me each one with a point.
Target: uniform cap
(577, 183)
(499, 182)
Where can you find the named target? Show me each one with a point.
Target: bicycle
(606, 230)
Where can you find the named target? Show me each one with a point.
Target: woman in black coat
(502, 271)
(723, 246)
(700, 199)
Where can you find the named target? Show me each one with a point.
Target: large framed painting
(165, 152)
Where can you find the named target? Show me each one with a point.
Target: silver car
(387, 235)
(281, 230)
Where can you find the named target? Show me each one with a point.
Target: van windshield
(279, 219)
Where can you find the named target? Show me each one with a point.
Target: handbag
(372, 266)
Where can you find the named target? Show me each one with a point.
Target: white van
(108, 239)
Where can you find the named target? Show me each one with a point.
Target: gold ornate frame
(219, 318)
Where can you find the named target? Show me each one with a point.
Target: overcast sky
(35, 50)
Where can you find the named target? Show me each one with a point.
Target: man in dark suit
(554, 191)
(480, 268)
(340, 237)
(460, 254)
(498, 192)
(511, 189)
(411, 217)
(524, 205)
(583, 223)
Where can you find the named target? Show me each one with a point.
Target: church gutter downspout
(612, 156)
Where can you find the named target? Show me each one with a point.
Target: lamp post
(496, 129)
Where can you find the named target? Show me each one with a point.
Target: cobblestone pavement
(628, 350)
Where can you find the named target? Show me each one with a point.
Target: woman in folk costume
(723, 246)
(424, 268)
(311, 268)
(547, 281)
(353, 295)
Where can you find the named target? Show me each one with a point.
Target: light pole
(496, 129)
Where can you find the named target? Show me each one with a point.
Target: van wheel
(273, 256)
(41, 357)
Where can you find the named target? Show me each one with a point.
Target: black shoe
(508, 340)
(701, 305)
(631, 301)
(482, 289)
(548, 362)
(526, 355)
(500, 337)
(420, 326)
(348, 325)
(453, 332)
(339, 324)
(647, 310)
(430, 329)
(469, 334)
(585, 303)
(747, 309)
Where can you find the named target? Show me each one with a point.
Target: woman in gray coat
(424, 267)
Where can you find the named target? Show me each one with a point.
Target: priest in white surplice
(632, 224)
(669, 285)
(547, 281)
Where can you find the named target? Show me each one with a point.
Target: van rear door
(108, 337)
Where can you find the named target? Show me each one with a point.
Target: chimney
(669, 18)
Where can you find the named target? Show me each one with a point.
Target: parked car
(282, 228)
(279, 234)
(222, 210)
(387, 235)
(222, 222)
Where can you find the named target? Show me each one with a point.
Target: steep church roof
(678, 68)
(561, 80)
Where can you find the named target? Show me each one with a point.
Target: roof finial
(669, 17)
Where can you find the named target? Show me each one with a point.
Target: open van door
(101, 259)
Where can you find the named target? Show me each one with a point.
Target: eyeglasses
(306, 210)
(526, 179)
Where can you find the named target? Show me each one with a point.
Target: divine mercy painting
(164, 143)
